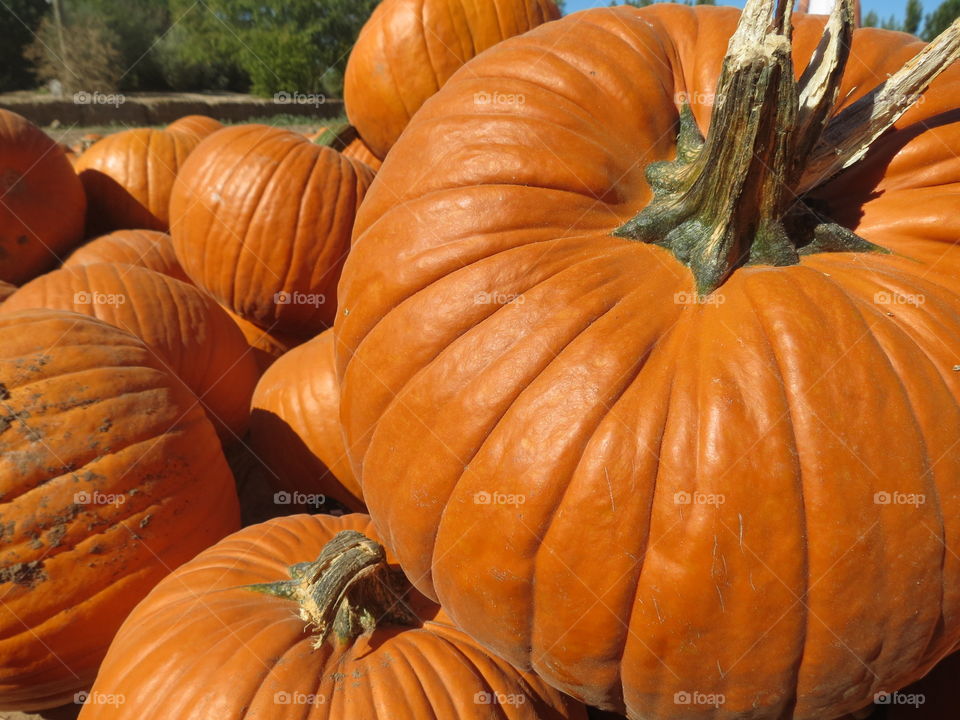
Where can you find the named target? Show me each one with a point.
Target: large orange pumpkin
(110, 477)
(199, 126)
(295, 425)
(408, 49)
(653, 460)
(261, 218)
(128, 177)
(191, 335)
(41, 201)
(147, 248)
(221, 640)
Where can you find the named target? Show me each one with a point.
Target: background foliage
(259, 46)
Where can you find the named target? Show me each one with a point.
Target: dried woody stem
(735, 198)
(347, 591)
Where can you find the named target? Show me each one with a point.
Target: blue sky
(883, 8)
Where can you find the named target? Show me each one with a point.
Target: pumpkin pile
(636, 333)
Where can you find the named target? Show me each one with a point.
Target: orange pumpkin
(146, 248)
(261, 219)
(128, 177)
(199, 126)
(189, 648)
(41, 201)
(408, 49)
(703, 441)
(265, 345)
(188, 331)
(110, 476)
(295, 425)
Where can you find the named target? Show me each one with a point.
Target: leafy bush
(82, 58)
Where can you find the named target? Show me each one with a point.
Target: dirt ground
(69, 117)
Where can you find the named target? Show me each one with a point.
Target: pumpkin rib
(269, 180)
(801, 597)
(479, 448)
(293, 264)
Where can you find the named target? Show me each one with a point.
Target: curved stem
(737, 197)
(338, 136)
(347, 591)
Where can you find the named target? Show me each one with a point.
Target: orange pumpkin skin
(261, 219)
(265, 345)
(128, 177)
(189, 332)
(295, 424)
(494, 337)
(111, 476)
(42, 203)
(408, 49)
(145, 248)
(199, 126)
(431, 672)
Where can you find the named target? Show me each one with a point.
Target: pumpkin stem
(338, 136)
(735, 198)
(347, 591)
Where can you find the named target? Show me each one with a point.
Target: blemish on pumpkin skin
(4, 393)
(25, 574)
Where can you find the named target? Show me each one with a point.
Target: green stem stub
(347, 591)
(734, 198)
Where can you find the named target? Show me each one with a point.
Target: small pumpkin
(149, 249)
(110, 477)
(199, 126)
(42, 203)
(184, 326)
(197, 646)
(265, 345)
(261, 219)
(408, 49)
(128, 177)
(648, 391)
(295, 424)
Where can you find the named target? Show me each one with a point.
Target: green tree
(911, 23)
(293, 46)
(19, 20)
(871, 20)
(891, 23)
(940, 19)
